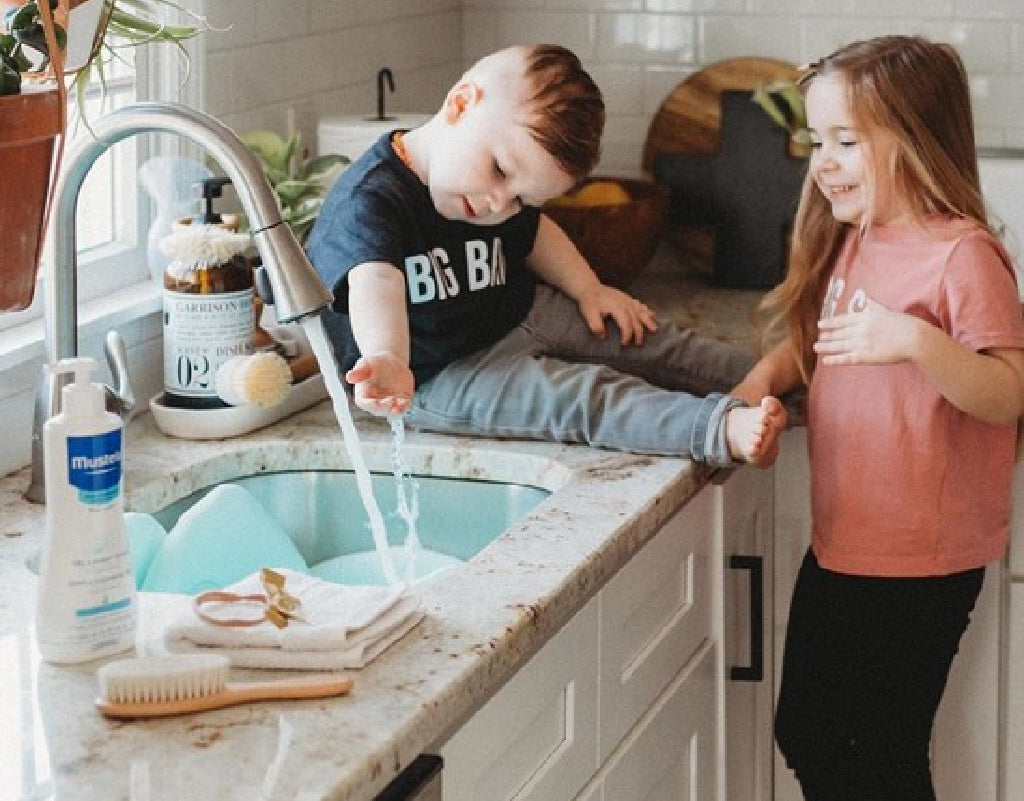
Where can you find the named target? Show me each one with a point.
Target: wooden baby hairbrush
(178, 684)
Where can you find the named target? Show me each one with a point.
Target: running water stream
(405, 488)
(329, 368)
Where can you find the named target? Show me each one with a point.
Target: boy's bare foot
(753, 432)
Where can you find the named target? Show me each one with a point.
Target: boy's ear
(461, 96)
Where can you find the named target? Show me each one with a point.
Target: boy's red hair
(567, 108)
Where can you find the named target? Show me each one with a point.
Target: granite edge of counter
(516, 631)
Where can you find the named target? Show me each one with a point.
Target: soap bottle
(87, 605)
(208, 299)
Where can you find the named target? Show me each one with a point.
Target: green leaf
(269, 148)
(321, 166)
(291, 190)
(10, 80)
(766, 100)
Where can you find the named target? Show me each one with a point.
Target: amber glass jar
(209, 317)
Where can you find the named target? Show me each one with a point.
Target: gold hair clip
(277, 606)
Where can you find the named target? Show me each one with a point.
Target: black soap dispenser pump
(208, 189)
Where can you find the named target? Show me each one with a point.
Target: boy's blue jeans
(865, 666)
(551, 378)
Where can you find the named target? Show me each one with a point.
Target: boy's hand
(633, 317)
(383, 384)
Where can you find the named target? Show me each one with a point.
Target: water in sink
(322, 516)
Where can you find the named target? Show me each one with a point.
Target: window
(113, 210)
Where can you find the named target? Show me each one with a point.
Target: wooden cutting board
(689, 122)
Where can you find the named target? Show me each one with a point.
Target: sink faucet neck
(297, 289)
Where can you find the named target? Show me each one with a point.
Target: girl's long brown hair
(917, 91)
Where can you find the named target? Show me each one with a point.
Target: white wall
(638, 50)
(287, 63)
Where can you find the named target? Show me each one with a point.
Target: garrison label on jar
(201, 332)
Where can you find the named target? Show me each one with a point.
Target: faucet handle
(120, 397)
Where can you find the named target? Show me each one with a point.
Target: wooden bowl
(620, 238)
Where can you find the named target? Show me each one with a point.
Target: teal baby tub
(315, 520)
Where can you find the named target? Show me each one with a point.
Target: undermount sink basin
(322, 515)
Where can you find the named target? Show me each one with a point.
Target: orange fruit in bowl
(595, 193)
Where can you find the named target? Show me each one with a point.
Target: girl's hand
(382, 384)
(871, 335)
(633, 317)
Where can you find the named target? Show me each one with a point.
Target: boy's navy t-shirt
(466, 285)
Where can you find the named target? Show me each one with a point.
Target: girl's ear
(460, 97)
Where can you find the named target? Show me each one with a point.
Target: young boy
(433, 244)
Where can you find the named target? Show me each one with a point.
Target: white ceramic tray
(234, 420)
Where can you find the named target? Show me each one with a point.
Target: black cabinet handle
(754, 671)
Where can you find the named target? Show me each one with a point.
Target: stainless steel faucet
(296, 288)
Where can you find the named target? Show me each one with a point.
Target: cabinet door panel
(536, 740)
(965, 745)
(671, 754)
(1017, 523)
(745, 509)
(655, 613)
(1015, 706)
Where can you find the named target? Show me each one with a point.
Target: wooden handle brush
(179, 684)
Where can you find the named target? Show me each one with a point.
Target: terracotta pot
(29, 126)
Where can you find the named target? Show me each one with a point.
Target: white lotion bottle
(87, 605)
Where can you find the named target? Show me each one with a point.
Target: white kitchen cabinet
(792, 536)
(655, 614)
(744, 517)
(536, 740)
(965, 746)
(622, 702)
(1014, 665)
(671, 753)
(1015, 701)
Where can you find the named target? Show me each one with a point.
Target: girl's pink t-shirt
(903, 483)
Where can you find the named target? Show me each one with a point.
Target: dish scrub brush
(178, 684)
(260, 379)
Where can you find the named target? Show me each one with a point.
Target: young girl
(901, 314)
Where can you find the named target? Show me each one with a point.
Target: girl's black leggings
(865, 665)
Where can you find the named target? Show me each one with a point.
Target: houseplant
(300, 183)
(32, 121)
(33, 118)
(784, 103)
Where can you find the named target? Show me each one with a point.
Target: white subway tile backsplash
(647, 37)
(621, 85)
(322, 57)
(622, 145)
(802, 8)
(998, 9)
(282, 21)
(659, 81)
(997, 101)
(746, 35)
(903, 8)
(822, 36)
(986, 46)
(687, 6)
(595, 5)
(480, 35)
(573, 30)
(233, 24)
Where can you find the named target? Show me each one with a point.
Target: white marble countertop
(483, 621)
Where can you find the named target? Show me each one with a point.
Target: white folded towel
(338, 626)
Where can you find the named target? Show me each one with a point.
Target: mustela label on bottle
(94, 467)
